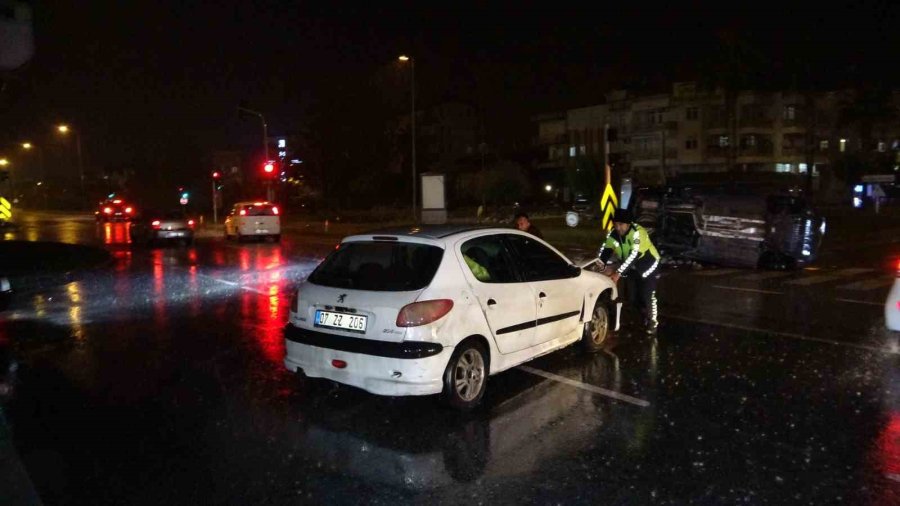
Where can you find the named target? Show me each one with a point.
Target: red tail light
(243, 212)
(275, 210)
(107, 210)
(191, 223)
(423, 313)
(340, 364)
(155, 223)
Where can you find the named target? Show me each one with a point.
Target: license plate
(352, 322)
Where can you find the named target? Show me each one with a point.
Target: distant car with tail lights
(892, 305)
(260, 220)
(436, 310)
(155, 227)
(114, 210)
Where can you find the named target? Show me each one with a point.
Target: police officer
(630, 244)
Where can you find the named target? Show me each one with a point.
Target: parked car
(892, 304)
(253, 219)
(153, 227)
(114, 210)
(437, 309)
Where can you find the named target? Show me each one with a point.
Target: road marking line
(584, 386)
(761, 276)
(879, 304)
(824, 278)
(868, 284)
(791, 335)
(754, 290)
(717, 272)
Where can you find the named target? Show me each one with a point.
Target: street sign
(5, 210)
(878, 178)
(608, 202)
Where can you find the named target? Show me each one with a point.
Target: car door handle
(491, 302)
(542, 295)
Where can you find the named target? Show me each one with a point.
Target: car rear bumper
(382, 368)
(174, 234)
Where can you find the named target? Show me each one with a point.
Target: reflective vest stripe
(635, 249)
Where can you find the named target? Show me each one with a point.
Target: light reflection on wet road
(159, 380)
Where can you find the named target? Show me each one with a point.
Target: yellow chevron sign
(5, 209)
(608, 202)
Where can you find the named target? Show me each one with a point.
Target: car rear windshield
(264, 210)
(387, 266)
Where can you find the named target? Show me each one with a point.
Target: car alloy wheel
(468, 375)
(597, 329)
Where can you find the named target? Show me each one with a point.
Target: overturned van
(732, 225)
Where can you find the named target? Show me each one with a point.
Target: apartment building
(693, 130)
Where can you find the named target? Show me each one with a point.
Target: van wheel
(596, 331)
(465, 378)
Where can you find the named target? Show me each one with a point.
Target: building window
(790, 112)
(582, 149)
(723, 141)
(749, 141)
(690, 144)
(572, 151)
(823, 145)
(692, 113)
(783, 167)
(882, 146)
(843, 145)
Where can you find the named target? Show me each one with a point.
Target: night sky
(153, 85)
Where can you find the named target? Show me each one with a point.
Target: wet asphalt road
(159, 380)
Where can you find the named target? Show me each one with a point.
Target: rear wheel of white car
(465, 378)
(596, 331)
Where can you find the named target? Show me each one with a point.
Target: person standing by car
(630, 244)
(523, 223)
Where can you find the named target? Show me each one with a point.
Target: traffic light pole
(215, 210)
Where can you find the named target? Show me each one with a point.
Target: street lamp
(412, 69)
(64, 130)
(4, 162)
(27, 145)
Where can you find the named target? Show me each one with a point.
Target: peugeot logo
(341, 297)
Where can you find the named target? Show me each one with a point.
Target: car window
(261, 210)
(489, 260)
(387, 266)
(539, 262)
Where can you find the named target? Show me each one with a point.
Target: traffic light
(269, 167)
(184, 195)
(216, 175)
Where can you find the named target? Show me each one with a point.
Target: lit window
(723, 141)
(823, 145)
(572, 151)
(790, 112)
(282, 143)
(843, 145)
(882, 146)
(803, 168)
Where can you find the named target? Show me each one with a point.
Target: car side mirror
(574, 271)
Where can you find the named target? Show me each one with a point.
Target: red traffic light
(269, 167)
(216, 175)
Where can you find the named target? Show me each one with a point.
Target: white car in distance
(253, 220)
(436, 310)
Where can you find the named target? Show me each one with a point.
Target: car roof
(426, 231)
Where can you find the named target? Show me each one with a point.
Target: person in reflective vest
(639, 263)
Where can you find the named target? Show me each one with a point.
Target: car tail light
(117, 201)
(191, 223)
(107, 210)
(423, 313)
(243, 212)
(155, 223)
(128, 210)
(340, 364)
(275, 210)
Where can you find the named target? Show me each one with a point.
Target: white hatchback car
(253, 219)
(892, 304)
(437, 309)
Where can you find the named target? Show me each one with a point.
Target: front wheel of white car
(465, 378)
(597, 330)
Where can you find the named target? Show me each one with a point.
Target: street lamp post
(27, 146)
(64, 129)
(265, 130)
(412, 69)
